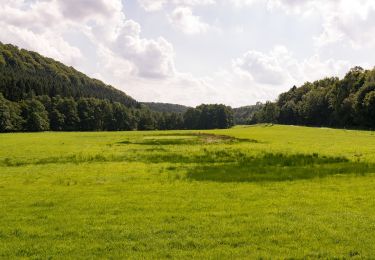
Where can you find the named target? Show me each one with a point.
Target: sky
(235, 52)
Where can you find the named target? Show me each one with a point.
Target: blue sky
(190, 52)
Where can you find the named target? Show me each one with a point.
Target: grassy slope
(122, 195)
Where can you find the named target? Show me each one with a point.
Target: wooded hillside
(40, 94)
(24, 74)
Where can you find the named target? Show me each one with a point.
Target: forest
(42, 113)
(24, 74)
(331, 102)
(245, 115)
(166, 107)
(41, 94)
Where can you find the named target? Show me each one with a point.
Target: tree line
(245, 115)
(43, 113)
(39, 94)
(345, 103)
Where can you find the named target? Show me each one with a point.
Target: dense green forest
(245, 115)
(166, 107)
(40, 94)
(345, 103)
(42, 113)
(25, 73)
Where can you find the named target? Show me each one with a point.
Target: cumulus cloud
(83, 9)
(183, 19)
(152, 5)
(145, 67)
(262, 67)
(254, 76)
(153, 58)
(352, 22)
(156, 5)
(41, 26)
(37, 17)
(342, 20)
(36, 26)
(279, 67)
(289, 5)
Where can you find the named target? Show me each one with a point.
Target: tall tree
(35, 116)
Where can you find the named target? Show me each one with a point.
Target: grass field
(247, 192)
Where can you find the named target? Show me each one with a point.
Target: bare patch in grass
(186, 138)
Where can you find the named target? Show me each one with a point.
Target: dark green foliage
(86, 112)
(245, 115)
(166, 107)
(24, 74)
(56, 120)
(54, 96)
(35, 116)
(68, 109)
(5, 117)
(209, 117)
(123, 118)
(146, 120)
(349, 102)
(42, 113)
(191, 118)
(268, 114)
(10, 119)
(174, 121)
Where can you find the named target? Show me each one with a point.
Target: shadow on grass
(186, 139)
(279, 167)
(223, 165)
(154, 155)
(155, 151)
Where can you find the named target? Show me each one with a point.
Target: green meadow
(265, 191)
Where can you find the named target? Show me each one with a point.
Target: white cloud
(34, 16)
(49, 44)
(153, 58)
(241, 83)
(145, 68)
(280, 68)
(183, 19)
(243, 3)
(193, 2)
(156, 5)
(263, 68)
(37, 27)
(85, 9)
(41, 26)
(288, 5)
(342, 20)
(152, 5)
(352, 22)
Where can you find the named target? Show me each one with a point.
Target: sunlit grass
(265, 191)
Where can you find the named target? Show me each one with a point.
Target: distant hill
(245, 115)
(25, 73)
(166, 107)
